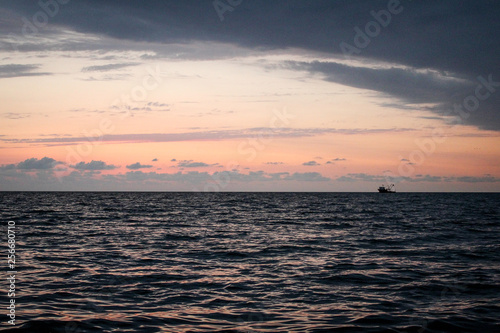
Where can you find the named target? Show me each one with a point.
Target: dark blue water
(254, 262)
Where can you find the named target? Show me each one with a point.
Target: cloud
(196, 177)
(483, 179)
(386, 178)
(154, 160)
(173, 160)
(314, 26)
(93, 165)
(108, 77)
(307, 176)
(38, 164)
(17, 70)
(426, 178)
(338, 159)
(15, 115)
(446, 92)
(411, 71)
(353, 177)
(142, 176)
(311, 163)
(191, 164)
(5, 167)
(45, 163)
(141, 107)
(137, 166)
(13, 178)
(157, 104)
(215, 135)
(108, 67)
(318, 27)
(408, 84)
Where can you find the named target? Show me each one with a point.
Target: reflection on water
(242, 262)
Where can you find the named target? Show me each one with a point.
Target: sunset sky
(248, 95)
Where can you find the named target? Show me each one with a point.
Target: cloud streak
(108, 67)
(211, 135)
(17, 70)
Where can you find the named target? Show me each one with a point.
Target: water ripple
(255, 262)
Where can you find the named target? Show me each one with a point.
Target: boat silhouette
(387, 189)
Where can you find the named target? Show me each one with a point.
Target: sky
(241, 95)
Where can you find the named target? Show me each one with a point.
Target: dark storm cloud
(453, 35)
(409, 85)
(471, 101)
(456, 38)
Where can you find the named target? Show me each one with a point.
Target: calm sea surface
(253, 262)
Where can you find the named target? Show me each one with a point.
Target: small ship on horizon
(387, 189)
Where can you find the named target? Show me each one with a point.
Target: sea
(251, 262)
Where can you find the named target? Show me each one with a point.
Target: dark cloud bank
(438, 49)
